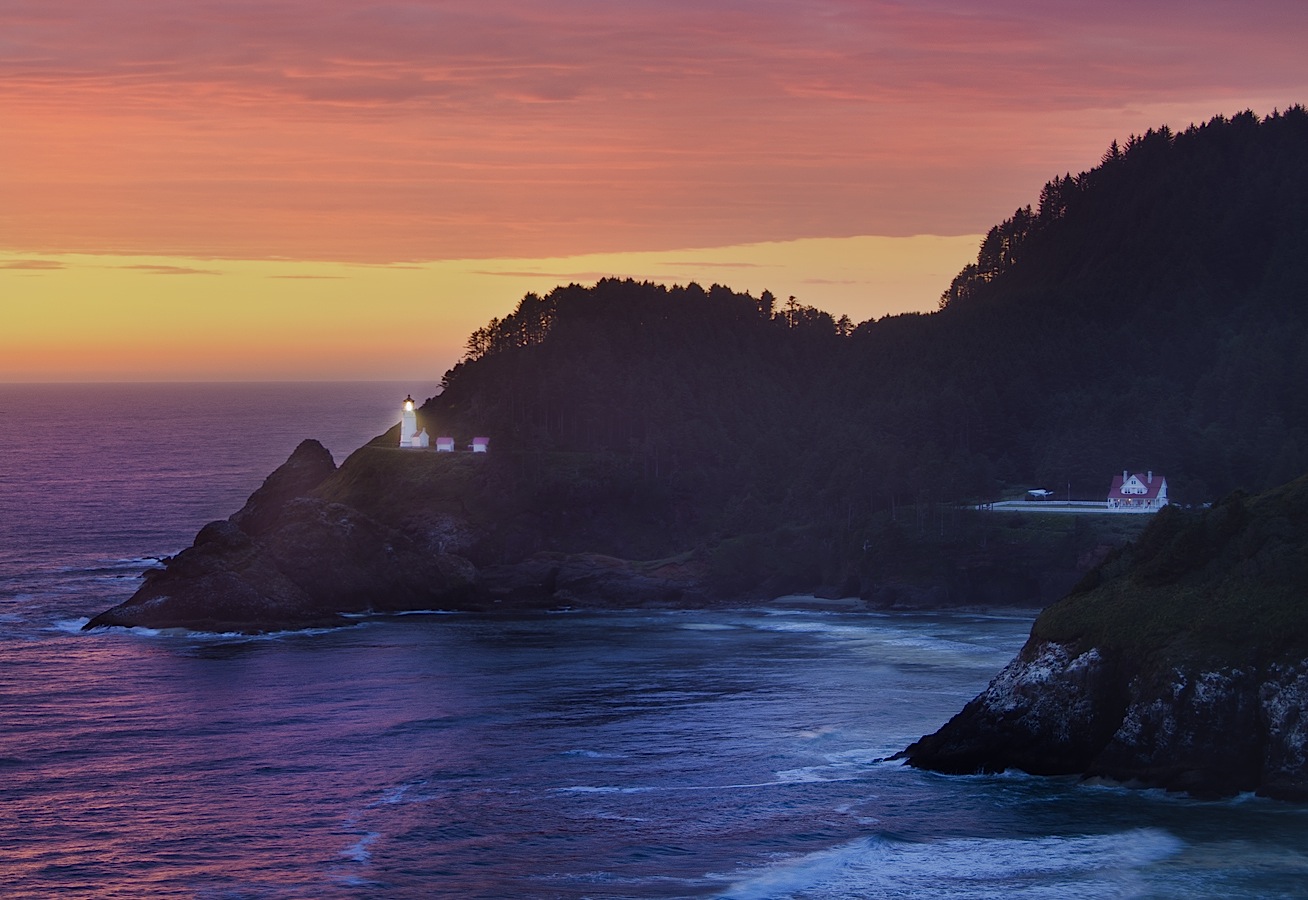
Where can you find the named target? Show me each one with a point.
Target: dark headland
(1180, 662)
(682, 446)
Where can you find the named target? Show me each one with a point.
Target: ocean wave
(237, 637)
(592, 754)
(358, 851)
(809, 775)
(376, 615)
(70, 626)
(929, 642)
(115, 567)
(602, 789)
(845, 765)
(74, 626)
(398, 794)
(965, 868)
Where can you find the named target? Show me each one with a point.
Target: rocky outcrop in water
(1182, 662)
(1210, 732)
(289, 559)
(298, 556)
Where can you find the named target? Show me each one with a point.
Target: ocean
(736, 753)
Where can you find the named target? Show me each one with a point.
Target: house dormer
(1133, 485)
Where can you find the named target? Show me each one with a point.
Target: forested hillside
(1149, 313)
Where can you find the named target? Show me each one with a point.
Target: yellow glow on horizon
(122, 318)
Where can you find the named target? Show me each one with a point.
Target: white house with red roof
(1141, 492)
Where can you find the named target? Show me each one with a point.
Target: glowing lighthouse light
(410, 436)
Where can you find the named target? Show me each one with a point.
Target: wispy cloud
(559, 276)
(310, 277)
(692, 264)
(33, 265)
(170, 270)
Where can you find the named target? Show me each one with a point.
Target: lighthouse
(410, 436)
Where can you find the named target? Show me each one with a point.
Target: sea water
(733, 753)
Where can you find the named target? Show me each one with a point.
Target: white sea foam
(807, 627)
(234, 637)
(592, 754)
(425, 612)
(783, 779)
(603, 789)
(401, 793)
(815, 732)
(70, 626)
(137, 562)
(808, 774)
(107, 569)
(845, 765)
(1054, 867)
(358, 851)
(929, 642)
(74, 626)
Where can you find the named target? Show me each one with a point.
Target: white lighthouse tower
(410, 436)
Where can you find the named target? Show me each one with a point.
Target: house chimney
(1150, 476)
(1124, 476)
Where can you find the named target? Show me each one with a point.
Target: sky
(321, 189)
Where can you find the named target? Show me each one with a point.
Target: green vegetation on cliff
(1181, 662)
(1228, 584)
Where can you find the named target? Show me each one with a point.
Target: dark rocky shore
(1182, 663)
(1211, 732)
(397, 530)
(293, 557)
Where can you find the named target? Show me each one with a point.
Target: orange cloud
(353, 131)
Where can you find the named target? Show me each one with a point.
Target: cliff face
(1181, 663)
(389, 531)
(1211, 732)
(394, 529)
(289, 559)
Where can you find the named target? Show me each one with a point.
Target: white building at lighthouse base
(410, 434)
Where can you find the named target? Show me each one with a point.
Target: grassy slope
(1229, 584)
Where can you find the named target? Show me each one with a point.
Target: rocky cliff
(1181, 662)
(394, 529)
(389, 531)
(291, 559)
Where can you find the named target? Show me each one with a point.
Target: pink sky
(323, 130)
(319, 188)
